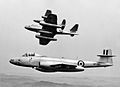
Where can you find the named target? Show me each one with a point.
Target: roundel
(80, 63)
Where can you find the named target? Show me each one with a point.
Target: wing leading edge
(45, 38)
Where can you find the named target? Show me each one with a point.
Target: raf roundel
(80, 63)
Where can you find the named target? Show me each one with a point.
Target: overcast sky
(99, 28)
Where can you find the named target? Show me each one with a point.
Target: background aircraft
(49, 28)
(53, 23)
(49, 64)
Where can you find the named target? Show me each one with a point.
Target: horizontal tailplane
(106, 57)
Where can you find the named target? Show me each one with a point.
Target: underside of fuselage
(95, 66)
(58, 70)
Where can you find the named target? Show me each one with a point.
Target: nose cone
(37, 21)
(27, 27)
(15, 61)
(11, 61)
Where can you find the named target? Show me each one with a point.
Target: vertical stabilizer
(106, 57)
(47, 13)
(63, 24)
(74, 28)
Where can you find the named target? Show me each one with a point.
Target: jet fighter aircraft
(49, 28)
(49, 64)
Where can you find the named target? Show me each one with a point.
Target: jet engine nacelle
(44, 70)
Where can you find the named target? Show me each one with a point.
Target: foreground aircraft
(49, 28)
(49, 64)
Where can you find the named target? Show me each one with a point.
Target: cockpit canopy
(29, 54)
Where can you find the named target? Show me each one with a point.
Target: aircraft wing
(45, 38)
(62, 65)
(67, 67)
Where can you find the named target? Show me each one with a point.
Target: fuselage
(36, 29)
(50, 24)
(45, 64)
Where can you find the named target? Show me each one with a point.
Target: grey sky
(99, 28)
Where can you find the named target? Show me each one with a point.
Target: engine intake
(44, 70)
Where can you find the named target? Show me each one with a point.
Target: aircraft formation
(49, 28)
(50, 64)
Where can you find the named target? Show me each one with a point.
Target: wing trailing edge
(43, 37)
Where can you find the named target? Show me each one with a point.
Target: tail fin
(63, 24)
(74, 28)
(47, 13)
(106, 57)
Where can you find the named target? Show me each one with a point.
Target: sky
(99, 28)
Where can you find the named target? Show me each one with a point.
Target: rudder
(74, 28)
(63, 24)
